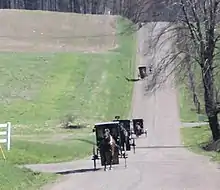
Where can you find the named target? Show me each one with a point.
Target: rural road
(160, 162)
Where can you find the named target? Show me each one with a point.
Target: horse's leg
(104, 164)
(104, 157)
(111, 158)
(123, 144)
(121, 151)
(126, 142)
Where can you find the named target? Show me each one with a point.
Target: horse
(138, 132)
(123, 134)
(107, 149)
(124, 138)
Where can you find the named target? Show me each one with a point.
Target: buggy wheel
(94, 158)
(145, 132)
(133, 144)
(124, 155)
(94, 162)
(125, 158)
(120, 152)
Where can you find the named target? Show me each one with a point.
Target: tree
(189, 69)
(198, 23)
(200, 18)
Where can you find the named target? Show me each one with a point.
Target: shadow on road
(132, 80)
(160, 147)
(77, 171)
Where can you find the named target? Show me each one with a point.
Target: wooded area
(136, 11)
(122, 7)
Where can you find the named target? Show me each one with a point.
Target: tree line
(136, 11)
(126, 8)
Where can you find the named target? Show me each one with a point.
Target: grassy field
(197, 137)
(187, 108)
(13, 178)
(194, 137)
(38, 90)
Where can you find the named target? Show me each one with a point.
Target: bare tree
(192, 83)
(197, 21)
(200, 18)
(189, 69)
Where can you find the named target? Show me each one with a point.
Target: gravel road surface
(160, 162)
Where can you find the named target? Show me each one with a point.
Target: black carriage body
(139, 122)
(114, 131)
(126, 124)
(142, 71)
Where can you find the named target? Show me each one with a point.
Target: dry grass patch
(44, 31)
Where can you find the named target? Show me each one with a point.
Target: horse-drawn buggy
(138, 127)
(125, 133)
(114, 138)
(108, 144)
(142, 72)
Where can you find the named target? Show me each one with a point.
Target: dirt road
(160, 163)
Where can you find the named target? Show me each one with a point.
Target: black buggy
(125, 135)
(142, 72)
(99, 130)
(138, 127)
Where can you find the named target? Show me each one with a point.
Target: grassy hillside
(38, 90)
(187, 107)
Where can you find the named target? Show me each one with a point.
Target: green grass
(13, 178)
(39, 90)
(187, 108)
(197, 137)
(42, 149)
(186, 105)
(30, 152)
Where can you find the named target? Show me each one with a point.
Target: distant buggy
(138, 127)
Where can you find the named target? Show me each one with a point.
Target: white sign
(5, 130)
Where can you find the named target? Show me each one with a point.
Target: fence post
(8, 135)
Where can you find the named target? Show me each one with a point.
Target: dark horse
(107, 149)
(139, 129)
(124, 137)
